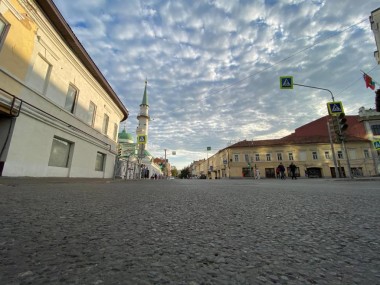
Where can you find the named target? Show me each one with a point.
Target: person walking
(293, 168)
(257, 173)
(282, 170)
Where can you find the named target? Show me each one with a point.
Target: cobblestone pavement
(189, 232)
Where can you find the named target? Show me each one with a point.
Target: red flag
(368, 81)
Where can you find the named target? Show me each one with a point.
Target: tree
(185, 173)
(174, 171)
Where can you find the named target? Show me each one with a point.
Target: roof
(54, 16)
(313, 132)
(125, 136)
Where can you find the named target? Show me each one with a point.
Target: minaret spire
(145, 97)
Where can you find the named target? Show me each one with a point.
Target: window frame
(236, 158)
(257, 156)
(115, 128)
(52, 160)
(366, 153)
(105, 124)
(340, 154)
(4, 32)
(375, 130)
(268, 157)
(92, 121)
(314, 155)
(103, 161)
(279, 156)
(327, 155)
(74, 102)
(291, 156)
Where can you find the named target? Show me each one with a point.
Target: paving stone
(190, 232)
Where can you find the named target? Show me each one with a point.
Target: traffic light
(342, 121)
(340, 127)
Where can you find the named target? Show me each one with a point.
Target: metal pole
(333, 151)
(347, 159)
(332, 96)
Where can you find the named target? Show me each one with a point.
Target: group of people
(280, 171)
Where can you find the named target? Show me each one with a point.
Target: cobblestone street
(307, 231)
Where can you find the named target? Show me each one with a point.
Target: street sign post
(376, 144)
(142, 139)
(335, 108)
(286, 82)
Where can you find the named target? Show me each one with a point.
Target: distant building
(134, 160)
(58, 114)
(308, 148)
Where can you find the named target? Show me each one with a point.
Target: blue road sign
(286, 82)
(335, 108)
(376, 144)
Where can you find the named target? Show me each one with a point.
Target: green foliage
(185, 173)
(174, 172)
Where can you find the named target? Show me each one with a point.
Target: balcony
(10, 105)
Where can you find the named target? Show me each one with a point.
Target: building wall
(302, 158)
(38, 67)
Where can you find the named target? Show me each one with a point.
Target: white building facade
(66, 116)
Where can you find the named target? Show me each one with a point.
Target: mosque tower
(143, 116)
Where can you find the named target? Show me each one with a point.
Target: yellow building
(309, 148)
(58, 114)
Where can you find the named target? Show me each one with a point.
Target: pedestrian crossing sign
(286, 82)
(335, 108)
(142, 139)
(376, 144)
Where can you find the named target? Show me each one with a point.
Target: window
(71, 98)
(3, 30)
(115, 132)
(236, 158)
(327, 155)
(375, 130)
(315, 155)
(291, 157)
(269, 158)
(257, 157)
(246, 157)
(60, 153)
(91, 114)
(279, 156)
(105, 124)
(366, 153)
(39, 78)
(100, 159)
(340, 154)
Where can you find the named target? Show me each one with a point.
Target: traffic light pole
(333, 151)
(340, 130)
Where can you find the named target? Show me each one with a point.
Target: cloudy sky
(213, 66)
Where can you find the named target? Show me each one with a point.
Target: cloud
(213, 66)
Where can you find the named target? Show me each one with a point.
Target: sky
(213, 66)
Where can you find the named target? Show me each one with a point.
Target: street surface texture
(305, 231)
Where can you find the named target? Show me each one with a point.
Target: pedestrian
(282, 170)
(277, 172)
(293, 168)
(257, 173)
